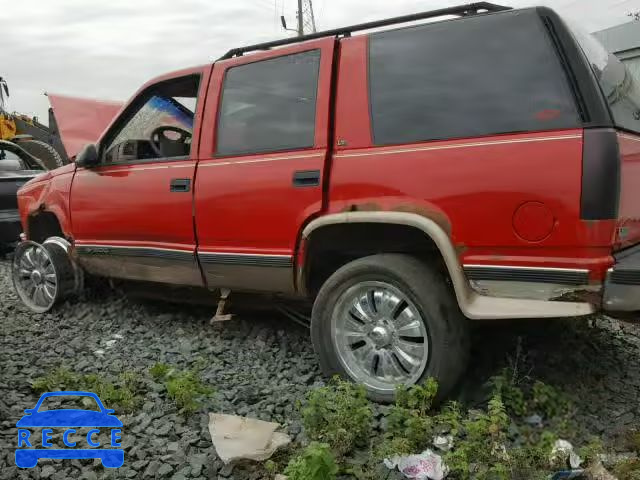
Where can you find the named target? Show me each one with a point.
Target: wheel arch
(472, 305)
(432, 232)
(43, 224)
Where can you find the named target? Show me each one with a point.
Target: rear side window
(620, 88)
(269, 105)
(467, 78)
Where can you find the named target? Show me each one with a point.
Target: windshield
(619, 86)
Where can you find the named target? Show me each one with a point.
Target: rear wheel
(386, 320)
(43, 151)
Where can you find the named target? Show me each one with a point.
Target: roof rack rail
(460, 10)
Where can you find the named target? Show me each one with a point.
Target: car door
(262, 163)
(132, 214)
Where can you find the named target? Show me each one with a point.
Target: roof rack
(460, 10)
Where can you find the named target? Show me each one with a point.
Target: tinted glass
(466, 78)
(619, 86)
(269, 105)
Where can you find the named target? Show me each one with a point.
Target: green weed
(339, 415)
(316, 462)
(185, 388)
(124, 393)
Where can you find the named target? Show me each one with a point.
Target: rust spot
(438, 217)
(364, 207)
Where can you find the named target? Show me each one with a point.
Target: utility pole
(300, 19)
(305, 17)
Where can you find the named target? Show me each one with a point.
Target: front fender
(49, 193)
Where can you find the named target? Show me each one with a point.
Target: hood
(81, 120)
(69, 418)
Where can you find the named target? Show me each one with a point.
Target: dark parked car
(17, 167)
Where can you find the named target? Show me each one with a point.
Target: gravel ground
(261, 366)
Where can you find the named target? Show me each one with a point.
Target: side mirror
(88, 156)
(29, 410)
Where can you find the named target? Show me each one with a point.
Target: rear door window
(269, 105)
(467, 78)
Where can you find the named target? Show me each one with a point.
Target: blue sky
(107, 49)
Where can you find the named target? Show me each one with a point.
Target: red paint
(247, 204)
(132, 204)
(48, 192)
(533, 221)
(510, 199)
(81, 120)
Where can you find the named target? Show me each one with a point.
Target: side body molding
(473, 305)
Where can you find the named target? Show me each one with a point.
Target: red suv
(406, 180)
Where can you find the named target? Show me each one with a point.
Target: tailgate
(628, 225)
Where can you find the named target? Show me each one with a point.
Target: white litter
(563, 451)
(443, 442)
(237, 438)
(110, 343)
(99, 352)
(424, 466)
(117, 336)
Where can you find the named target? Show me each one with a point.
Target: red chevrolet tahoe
(407, 180)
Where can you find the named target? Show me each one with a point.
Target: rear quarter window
(619, 87)
(466, 78)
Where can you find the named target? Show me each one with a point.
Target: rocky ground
(261, 366)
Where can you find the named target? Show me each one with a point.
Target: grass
(123, 393)
(338, 421)
(185, 388)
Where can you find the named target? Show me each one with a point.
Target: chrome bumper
(622, 287)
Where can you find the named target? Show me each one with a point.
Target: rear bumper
(622, 286)
(10, 226)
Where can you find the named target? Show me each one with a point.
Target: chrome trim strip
(246, 259)
(213, 163)
(512, 273)
(459, 145)
(126, 251)
(517, 267)
(473, 305)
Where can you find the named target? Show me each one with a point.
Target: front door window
(161, 127)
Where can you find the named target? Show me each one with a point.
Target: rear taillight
(600, 175)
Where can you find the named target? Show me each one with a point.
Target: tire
(42, 275)
(428, 299)
(43, 151)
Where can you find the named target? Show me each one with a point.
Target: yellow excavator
(37, 139)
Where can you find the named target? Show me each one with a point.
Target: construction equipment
(37, 139)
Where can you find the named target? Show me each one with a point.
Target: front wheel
(389, 319)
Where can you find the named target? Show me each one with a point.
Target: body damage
(49, 192)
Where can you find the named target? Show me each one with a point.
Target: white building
(624, 41)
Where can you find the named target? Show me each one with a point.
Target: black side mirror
(88, 156)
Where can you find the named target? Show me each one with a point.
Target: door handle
(180, 185)
(306, 178)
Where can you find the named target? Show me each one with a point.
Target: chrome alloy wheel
(34, 276)
(380, 336)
